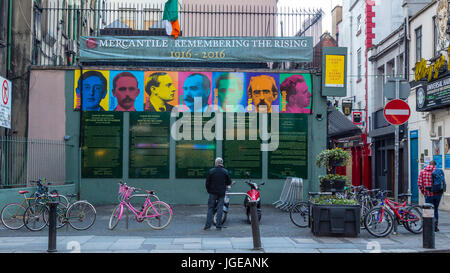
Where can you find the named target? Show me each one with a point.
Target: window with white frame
(359, 64)
(358, 24)
(418, 33)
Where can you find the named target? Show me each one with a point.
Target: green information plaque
(194, 158)
(149, 144)
(102, 145)
(241, 154)
(291, 157)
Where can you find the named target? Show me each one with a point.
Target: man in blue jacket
(216, 183)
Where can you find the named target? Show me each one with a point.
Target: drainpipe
(405, 52)
(80, 137)
(8, 68)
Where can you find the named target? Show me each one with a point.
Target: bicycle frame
(140, 214)
(395, 208)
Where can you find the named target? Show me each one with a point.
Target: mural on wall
(160, 91)
(126, 91)
(93, 89)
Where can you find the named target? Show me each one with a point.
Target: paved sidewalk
(185, 235)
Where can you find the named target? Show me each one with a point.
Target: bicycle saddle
(150, 192)
(23, 192)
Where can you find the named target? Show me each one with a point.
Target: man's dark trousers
(215, 201)
(435, 200)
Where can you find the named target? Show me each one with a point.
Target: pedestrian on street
(216, 182)
(425, 182)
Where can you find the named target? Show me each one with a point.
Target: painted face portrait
(263, 91)
(230, 91)
(161, 89)
(125, 89)
(297, 95)
(94, 90)
(196, 86)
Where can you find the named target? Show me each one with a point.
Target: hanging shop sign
(357, 118)
(334, 63)
(196, 49)
(347, 107)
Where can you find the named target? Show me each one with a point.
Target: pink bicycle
(157, 214)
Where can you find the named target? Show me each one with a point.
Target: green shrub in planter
(332, 182)
(333, 200)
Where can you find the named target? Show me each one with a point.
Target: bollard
(255, 226)
(52, 227)
(428, 225)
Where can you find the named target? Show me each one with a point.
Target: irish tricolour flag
(170, 17)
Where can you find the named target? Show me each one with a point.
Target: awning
(340, 126)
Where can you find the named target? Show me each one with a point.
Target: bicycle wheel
(62, 199)
(12, 216)
(379, 222)
(35, 217)
(299, 214)
(364, 211)
(81, 215)
(413, 219)
(158, 215)
(114, 219)
(224, 218)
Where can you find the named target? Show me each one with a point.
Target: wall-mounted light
(319, 117)
(66, 138)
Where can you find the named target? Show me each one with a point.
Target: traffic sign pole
(396, 113)
(397, 95)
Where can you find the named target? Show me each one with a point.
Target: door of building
(414, 163)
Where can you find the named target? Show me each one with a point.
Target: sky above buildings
(326, 5)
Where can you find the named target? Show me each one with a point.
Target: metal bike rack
(238, 193)
(291, 194)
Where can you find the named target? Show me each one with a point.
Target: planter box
(332, 220)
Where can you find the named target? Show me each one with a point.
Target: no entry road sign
(397, 112)
(5, 103)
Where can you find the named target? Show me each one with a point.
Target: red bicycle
(379, 221)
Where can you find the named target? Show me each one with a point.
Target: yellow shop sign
(423, 70)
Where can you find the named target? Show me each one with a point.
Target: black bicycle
(300, 213)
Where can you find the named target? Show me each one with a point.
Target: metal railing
(57, 25)
(23, 159)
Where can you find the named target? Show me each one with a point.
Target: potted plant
(330, 159)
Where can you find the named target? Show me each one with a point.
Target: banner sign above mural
(196, 49)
